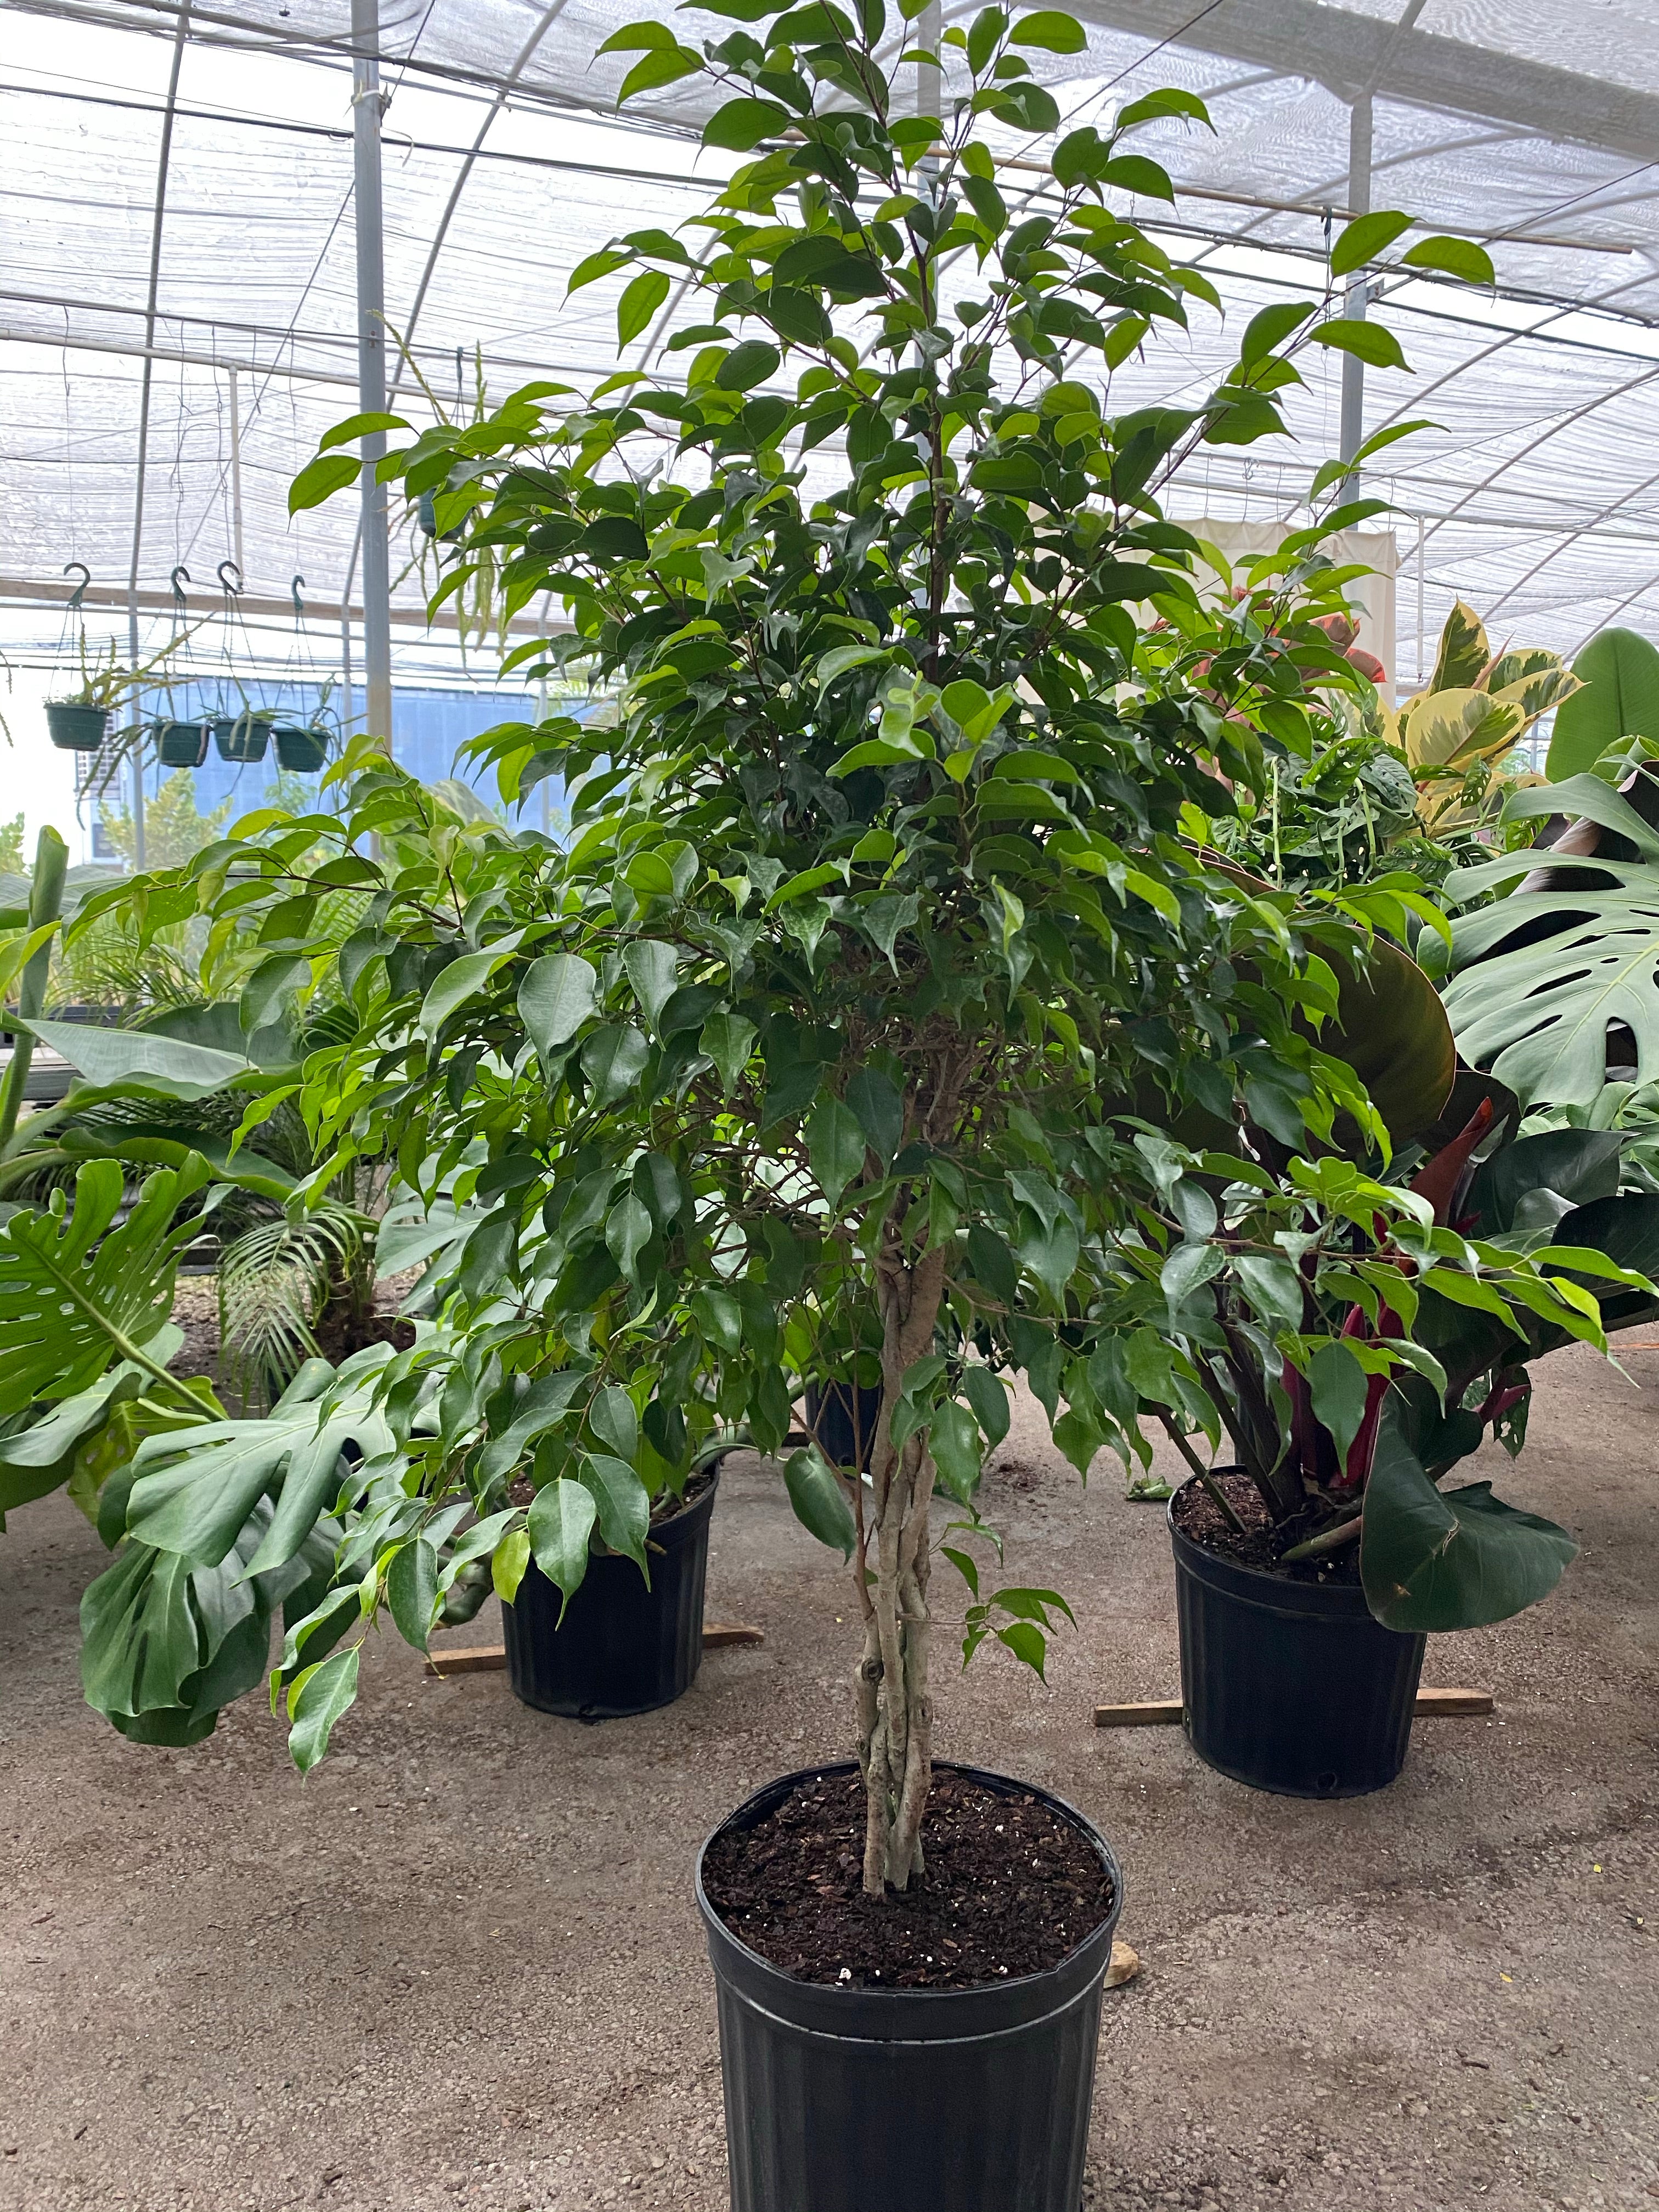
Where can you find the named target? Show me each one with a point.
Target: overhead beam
(50, 592)
(1347, 52)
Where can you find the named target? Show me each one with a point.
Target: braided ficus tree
(797, 1060)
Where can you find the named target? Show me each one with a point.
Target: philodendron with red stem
(1355, 1327)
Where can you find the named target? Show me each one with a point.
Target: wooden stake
(491, 1658)
(1165, 1712)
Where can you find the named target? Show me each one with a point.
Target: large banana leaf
(81, 1291)
(1619, 675)
(1538, 976)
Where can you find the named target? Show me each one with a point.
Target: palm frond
(275, 1280)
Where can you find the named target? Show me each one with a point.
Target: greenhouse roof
(177, 189)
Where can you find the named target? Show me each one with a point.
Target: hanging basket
(76, 729)
(181, 745)
(301, 752)
(242, 737)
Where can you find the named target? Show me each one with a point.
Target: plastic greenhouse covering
(177, 187)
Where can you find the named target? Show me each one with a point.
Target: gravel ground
(459, 1966)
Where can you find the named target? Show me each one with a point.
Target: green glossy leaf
(1458, 256)
(411, 1590)
(819, 1500)
(462, 979)
(729, 1040)
(836, 1143)
(1364, 238)
(1338, 1385)
(880, 1111)
(988, 1396)
(1436, 1560)
(623, 1504)
(953, 1439)
(561, 1522)
(640, 302)
(1372, 342)
(316, 1701)
(558, 995)
(507, 1568)
(740, 125)
(320, 479)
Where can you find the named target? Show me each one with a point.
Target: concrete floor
(459, 1966)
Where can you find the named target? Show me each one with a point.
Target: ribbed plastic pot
(75, 729)
(844, 1417)
(623, 1649)
(299, 750)
(1287, 1686)
(242, 737)
(181, 745)
(907, 2100)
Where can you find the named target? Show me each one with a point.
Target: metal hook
(233, 589)
(70, 567)
(179, 588)
(296, 587)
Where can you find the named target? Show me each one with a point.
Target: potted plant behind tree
(873, 894)
(1355, 1330)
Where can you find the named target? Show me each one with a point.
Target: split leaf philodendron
(793, 1064)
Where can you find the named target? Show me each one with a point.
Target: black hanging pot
(242, 737)
(181, 745)
(623, 1648)
(74, 728)
(301, 752)
(1287, 1684)
(866, 2099)
(842, 1416)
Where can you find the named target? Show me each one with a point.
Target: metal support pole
(1359, 200)
(366, 109)
(930, 84)
(236, 477)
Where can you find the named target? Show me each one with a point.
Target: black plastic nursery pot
(75, 729)
(623, 1649)
(843, 1416)
(1290, 1686)
(894, 2101)
(181, 745)
(299, 750)
(242, 737)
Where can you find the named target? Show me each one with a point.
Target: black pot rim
(925, 2014)
(1260, 1586)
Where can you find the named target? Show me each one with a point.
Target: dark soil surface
(1260, 1544)
(1011, 1888)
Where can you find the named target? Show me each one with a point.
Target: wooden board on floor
(1165, 1712)
(491, 1658)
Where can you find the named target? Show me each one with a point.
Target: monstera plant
(1552, 964)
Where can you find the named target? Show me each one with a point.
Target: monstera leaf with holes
(86, 1298)
(1540, 976)
(218, 1527)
